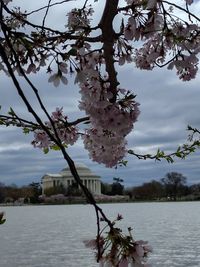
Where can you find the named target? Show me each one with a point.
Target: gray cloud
(167, 107)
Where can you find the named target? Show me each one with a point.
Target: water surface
(52, 236)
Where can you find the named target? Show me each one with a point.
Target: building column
(99, 187)
(87, 184)
(90, 188)
(96, 187)
(93, 186)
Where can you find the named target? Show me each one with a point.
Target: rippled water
(51, 236)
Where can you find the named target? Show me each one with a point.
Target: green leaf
(123, 163)
(169, 159)
(72, 52)
(178, 154)
(26, 130)
(2, 221)
(45, 150)
(55, 147)
(11, 112)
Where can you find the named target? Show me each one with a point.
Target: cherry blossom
(104, 146)
(6, 1)
(68, 135)
(78, 18)
(189, 2)
(111, 121)
(56, 78)
(123, 262)
(150, 35)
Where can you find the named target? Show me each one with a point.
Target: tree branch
(108, 39)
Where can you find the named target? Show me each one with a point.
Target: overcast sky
(167, 107)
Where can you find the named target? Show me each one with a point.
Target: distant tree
(117, 188)
(195, 189)
(2, 192)
(174, 183)
(12, 192)
(26, 192)
(73, 190)
(54, 190)
(106, 188)
(151, 190)
(36, 190)
(118, 180)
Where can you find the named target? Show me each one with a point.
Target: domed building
(65, 178)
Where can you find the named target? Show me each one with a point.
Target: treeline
(172, 187)
(71, 190)
(26, 194)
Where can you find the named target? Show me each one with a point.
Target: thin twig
(182, 9)
(44, 7)
(46, 13)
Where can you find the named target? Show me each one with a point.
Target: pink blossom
(58, 114)
(78, 18)
(6, 1)
(107, 264)
(41, 139)
(63, 67)
(90, 243)
(56, 78)
(31, 68)
(104, 147)
(67, 135)
(189, 2)
(123, 262)
(151, 4)
(141, 250)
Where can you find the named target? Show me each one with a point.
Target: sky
(167, 106)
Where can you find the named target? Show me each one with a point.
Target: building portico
(65, 178)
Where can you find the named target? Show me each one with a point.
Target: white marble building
(65, 178)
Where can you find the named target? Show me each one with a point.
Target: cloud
(168, 105)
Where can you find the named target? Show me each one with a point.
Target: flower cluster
(186, 67)
(117, 249)
(111, 120)
(162, 34)
(152, 52)
(78, 18)
(112, 110)
(68, 135)
(104, 146)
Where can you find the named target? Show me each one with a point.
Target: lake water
(51, 236)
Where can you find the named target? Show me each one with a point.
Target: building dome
(82, 170)
(79, 167)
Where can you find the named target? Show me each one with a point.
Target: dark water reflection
(51, 236)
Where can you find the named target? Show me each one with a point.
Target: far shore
(83, 202)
